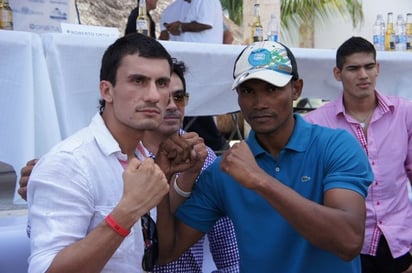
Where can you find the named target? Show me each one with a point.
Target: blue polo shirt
(316, 159)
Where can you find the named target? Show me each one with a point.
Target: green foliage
(295, 12)
(235, 10)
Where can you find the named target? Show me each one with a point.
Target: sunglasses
(180, 98)
(151, 244)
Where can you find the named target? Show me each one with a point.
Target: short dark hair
(353, 45)
(130, 44)
(179, 68)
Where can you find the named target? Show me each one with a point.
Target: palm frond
(235, 8)
(294, 12)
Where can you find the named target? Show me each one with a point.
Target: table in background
(28, 120)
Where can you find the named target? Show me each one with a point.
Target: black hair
(179, 68)
(130, 44)
(353, 45)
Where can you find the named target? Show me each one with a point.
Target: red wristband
(116, 227)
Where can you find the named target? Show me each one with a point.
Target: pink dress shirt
(389, 149)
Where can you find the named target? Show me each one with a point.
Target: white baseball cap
(269, 61)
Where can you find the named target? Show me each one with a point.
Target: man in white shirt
(87, 195)
(171, 13)
(196, 21)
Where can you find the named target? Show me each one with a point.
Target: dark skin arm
(164, 35)
(24, 177)
(174, 236)
(177, 27)
(187, 178)
(337, 225)
(169, 204)
(176, 154)
(227, 37)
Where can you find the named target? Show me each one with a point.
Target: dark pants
(383, 262)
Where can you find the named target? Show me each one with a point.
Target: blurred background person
(131, 21)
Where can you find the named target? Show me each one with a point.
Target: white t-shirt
(172, 13)
(207, 12)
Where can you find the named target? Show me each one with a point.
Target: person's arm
(337, 225)
(164, 35)
(24, 178)
(175, 237)
(227, 35)
(171, 246)
(181, 188)
(182, 175)
(177, 28)
(144, 186)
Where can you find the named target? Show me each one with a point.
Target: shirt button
(376, 183)
(277, 169)
(380, 222)
(373, 163)
(378, 203)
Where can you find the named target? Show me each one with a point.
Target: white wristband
(179, 191)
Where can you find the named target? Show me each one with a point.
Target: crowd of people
(133, 192)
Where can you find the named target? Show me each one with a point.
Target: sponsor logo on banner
(42, 15)
(90, 31)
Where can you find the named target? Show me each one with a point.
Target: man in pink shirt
(383, 126)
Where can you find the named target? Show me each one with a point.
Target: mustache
(148, 107)
(172, 114)
(254, 114)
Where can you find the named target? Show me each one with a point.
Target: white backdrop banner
(42, 15)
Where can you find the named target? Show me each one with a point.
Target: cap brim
(269, 76)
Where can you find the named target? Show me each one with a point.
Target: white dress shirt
(208, 12)
(174, 12)
(71, 190)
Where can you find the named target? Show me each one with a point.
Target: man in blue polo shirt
(294, 191)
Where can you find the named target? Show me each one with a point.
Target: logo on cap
(275, 59)
(258, 60)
